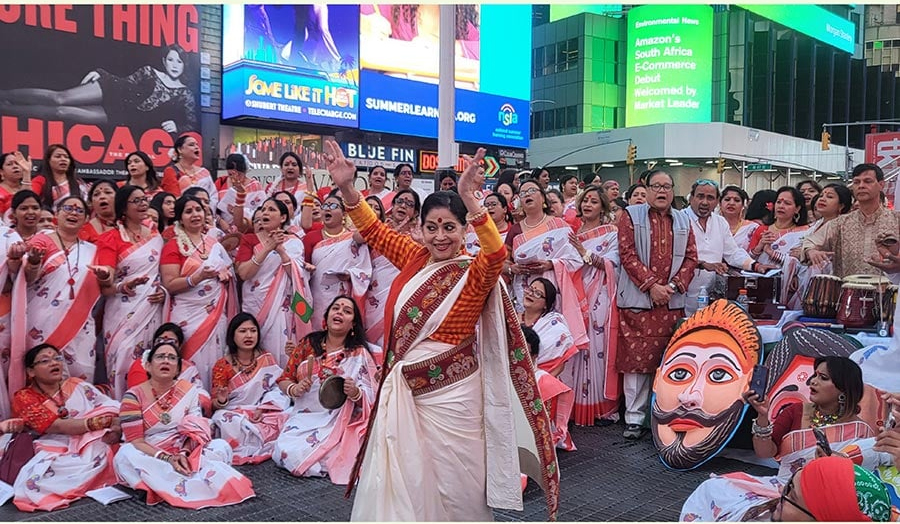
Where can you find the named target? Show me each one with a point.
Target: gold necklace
(541, 221)
(326, 234)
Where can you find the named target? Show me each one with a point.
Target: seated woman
(79, 431)
(249, 408)
(169, 452)
(836, 389)
(172, 333)
(557, 345)
(317, 440)
(557, 396)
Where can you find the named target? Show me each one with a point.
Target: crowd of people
(159, 330)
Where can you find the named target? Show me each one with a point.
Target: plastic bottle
(743, 300)
(702, 298)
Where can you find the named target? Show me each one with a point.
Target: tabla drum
(888, 302)
(856, 308)
(331, 392)
(821, 297)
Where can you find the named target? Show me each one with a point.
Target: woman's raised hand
(25, 164)
(472, 179)
(342, 171)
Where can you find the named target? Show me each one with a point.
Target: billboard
(104, 80)
(811, 20)
(883, 149)
(560, 11)
(297, 63)
(399, 60)
(669, 67)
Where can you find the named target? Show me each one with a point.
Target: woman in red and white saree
(291, 170)
(78, 428)
(539, 247)
(316, 440)
(168, 450)
(343, 266)
(443, 411)
(184, 172)
(403, 219)
(556, 395)
(557, 345)
(271, 264)
(249, 408)
(196, 271)
(12, 250)
(592, 374)
(498, 208)
(132, 251)
(63, 285)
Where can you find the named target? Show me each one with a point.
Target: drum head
(331, 392)
(871, 280)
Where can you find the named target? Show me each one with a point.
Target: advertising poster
(400, 60)
(297, 63)
(263, 148)
(669, 64)
(104, 80)
(883, 150)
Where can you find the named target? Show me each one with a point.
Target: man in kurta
(850, 241)
(659, 256)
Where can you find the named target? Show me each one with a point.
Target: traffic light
(632, 154)
(826, 140)
(720, 165)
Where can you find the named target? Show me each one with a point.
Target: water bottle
(702, 298)
(743, 300)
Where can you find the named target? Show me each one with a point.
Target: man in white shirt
(716, 249)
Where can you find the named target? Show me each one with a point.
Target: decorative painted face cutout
(697, 405)
(791, 363)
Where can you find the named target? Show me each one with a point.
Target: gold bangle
(348, 207)
(476, 216)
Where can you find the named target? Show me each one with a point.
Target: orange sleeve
(299, 355)
(397, 248)
(29, 405)
(222, 374)
(169, 182)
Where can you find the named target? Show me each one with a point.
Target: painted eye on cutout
(720, 375)
(680, 375)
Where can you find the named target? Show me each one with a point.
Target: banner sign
(297, 63)
(103, 80)
(386, 156)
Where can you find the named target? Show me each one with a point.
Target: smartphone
(758, 380)
(822, 441)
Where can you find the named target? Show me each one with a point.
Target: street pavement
(606, 479)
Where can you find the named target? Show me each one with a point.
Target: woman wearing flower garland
(197, 272)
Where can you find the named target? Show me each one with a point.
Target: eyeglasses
(528, 192)
(72, 209)
(330, 206)
(787, 491)
(404, 202)
(535, 293)
(160, 357)
(45, 361)
(707, 182)
(661, 188)
(140, 200)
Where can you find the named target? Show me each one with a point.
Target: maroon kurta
(643, 334)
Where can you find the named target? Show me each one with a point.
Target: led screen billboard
(669, 64)
(811, 20)
(560, 11)
(399, 60)
(291, 62)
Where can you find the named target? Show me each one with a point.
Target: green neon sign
(669, 64)
(810, 20)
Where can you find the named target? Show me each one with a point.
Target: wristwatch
(586, 257)
(673, 286)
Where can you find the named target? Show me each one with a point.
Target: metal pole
(448, 149)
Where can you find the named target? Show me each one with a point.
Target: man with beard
(658, 255)
(697, 402)
(716, 249)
